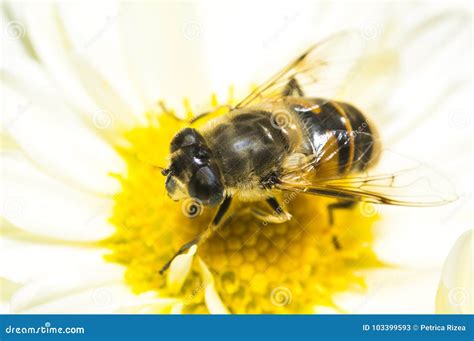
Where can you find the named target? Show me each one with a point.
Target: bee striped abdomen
(342, 123)
(363, 136)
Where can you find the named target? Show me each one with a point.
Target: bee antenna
(162, 169)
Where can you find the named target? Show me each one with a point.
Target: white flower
(76, 76)
(457, 283)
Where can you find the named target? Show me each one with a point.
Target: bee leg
(214, 225)
(277, 216)
(292, 88)
(346, 204)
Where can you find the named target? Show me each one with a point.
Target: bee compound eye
(206, 186)
(186, 137)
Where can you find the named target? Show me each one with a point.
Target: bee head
(193, 172)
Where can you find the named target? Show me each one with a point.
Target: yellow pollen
(258, 267)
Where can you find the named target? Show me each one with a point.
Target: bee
(278, 139)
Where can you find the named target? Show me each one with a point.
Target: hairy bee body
(255, 145)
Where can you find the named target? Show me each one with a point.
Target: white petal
(51, 43)
(177, 308)
(105, 298)
(425, 108)
(93, 288)
(179, 269)
(245, 54)
(393, 291)
(90, 284)
(14, 30)
(8, 290)
(436, 43)
(41, 28)
(150, 304)
(43, 205)
(424, 234)
(211, 297)
(93, 30)
(110, 298)
(117, 114)
(163, 43)
(456, 285)
(81, 293)
(27, 256)
(58, 141)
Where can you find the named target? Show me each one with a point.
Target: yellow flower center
(258, 267)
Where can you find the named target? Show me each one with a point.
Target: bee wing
(396, 180)
(320, 71)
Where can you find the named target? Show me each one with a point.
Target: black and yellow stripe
(346, 123)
